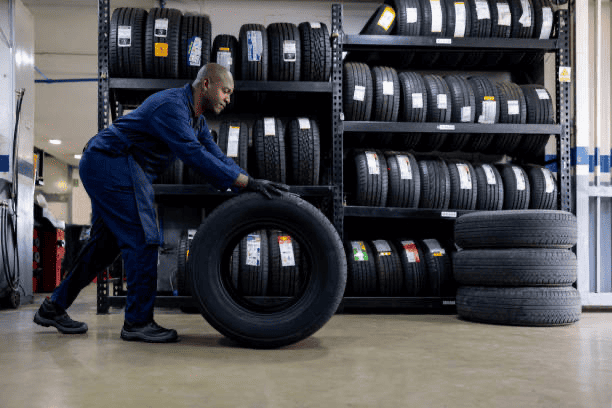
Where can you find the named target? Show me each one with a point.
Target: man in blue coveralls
(117, 168)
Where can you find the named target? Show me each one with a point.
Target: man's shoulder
(172, 97)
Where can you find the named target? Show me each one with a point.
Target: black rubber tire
(304, 150)
(413, 265)
(463, 111)
(440, 281)
(490, 196)
(544, 29)
(516, 229)
(181, 265)
(517, 190)
(437, 111)
(126, 59)
(284, 275)
(491, 59)
(463, 185)
(413, 106)
(316, 52)
(386, 107)
(433, 25)
(509, 93)
(404, 180)
(480, 28)
(357, 74)
(523, 22)
(162, 66)
(173, 173)
(270, 151)
(486, 95)
(456, 27)
(225, 52)
(543, 188)
(253, 279)
(403, 25)
(370, 188)
(539, 111)
(388, 268)
(519, 306)
(379, 24)
(281, 325)
(194, 30)
(253, 57)
(361, 277)
(12, 299)
(284, 65)
(515, 267)
(239, 146)
(435, 184)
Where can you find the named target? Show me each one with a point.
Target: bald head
(215, 73)
(212, 88)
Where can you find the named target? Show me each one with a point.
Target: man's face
(216, 94)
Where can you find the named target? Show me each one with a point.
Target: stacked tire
(516, 268)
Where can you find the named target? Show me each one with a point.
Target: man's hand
(266, 187)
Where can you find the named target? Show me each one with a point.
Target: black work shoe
(149, 332)
(51, 314)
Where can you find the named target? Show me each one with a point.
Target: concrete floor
(363, 360)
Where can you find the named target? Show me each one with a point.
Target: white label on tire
(434, 247)
(254, 45)
(225, 59)
(195, 52)
(465, 178)
(304, 123)
(359, 251)
(417, 101)
(436, 16)
(124, 36)
(504, 17)
(488, 112)
(520, 178)
(525, 19)
(543, 94)
(491, 179)
(411, 15)
(232, 141)
(466, 114)
(289, 51)
(513, 107)
(269, 127)
(253, 250)
(482, 10)
(388, 88)
(412, 253)
(442, 102)
(550, 181)
(161, 27)
(372, 160)
(286, 251)
(404, 166)
(359, 94)
(386, 19)
(459, 19)
(382, 247)
(547, 23)
(315, 26)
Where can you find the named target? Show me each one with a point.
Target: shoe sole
(137, 337)
(41, 321)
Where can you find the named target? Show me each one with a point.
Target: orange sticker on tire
(161, 49)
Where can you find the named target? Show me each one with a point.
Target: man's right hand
(266, 187)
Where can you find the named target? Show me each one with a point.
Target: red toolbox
(53, 249)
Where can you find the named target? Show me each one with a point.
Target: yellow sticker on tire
(161, 49)
(387, 17)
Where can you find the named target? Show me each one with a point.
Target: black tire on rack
(522, 27)
(543, 188)
(370, 177)
(409, 17)
(539, 111)
(543, 29)
(225, 52)
(235, 267)
(316, 52)
(254, 264)
(490, 196)
(515, 267)
(173, 173)
(463, 111)
(386, 102)
(435, 184)
(253, 40)
(501, 27)
(439, 108)
(284, 272)
(304, 149)
(181, 263)
(459, 22)
(413, 265)
(270, 149)
(516, 187)
(361, 277)
(516, 229)
(381, 22)
(480, 28)
(487, 111)
(463, 185)
(125, 46)
(388, 268)
(196, 39)
(529, 306)
(433, 25)
(413, 106)
(162, 43)
(357, 92)
(404, 180)
(439, 268)
(285, 48)
(233, 141)
(512, 109)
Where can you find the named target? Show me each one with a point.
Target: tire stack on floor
(516, 268)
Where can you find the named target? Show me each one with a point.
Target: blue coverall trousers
(116, 228)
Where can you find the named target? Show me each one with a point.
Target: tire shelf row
(239, 85)
(361, 42)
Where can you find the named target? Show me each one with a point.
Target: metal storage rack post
(560, 46)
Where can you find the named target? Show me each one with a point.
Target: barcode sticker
(525, 19)
(465, 178)
(359, 251)
(460, 19)
(269, 127)
(382, 247)
(547, 23)
(225, 59)
(315, 25)
(489, 109)
(388, 88)
(466, 114)
(436, 16)
(412, 253)
(513, 108)
(254, 45)
(490, 175)
(520, 178)
(550, 181)
(195, 52)
(124, 36)
(504, 17)
(543, 94)
(411, 15)
(444, 41)
(446, 127)
(161, 27)
(482, 10)
(372, 160)
(289, 51)
(404, 166)
(448, 214)
(286, 251)
(304, 123)
(417, 101)
(386, 19)
(442, 101)
(233, 141)
(253, 250)
(359, 94)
